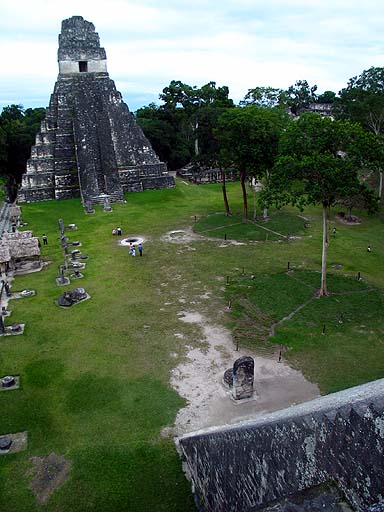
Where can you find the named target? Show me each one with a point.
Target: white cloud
(240, 44)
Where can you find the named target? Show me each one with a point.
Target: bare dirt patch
(49, 473)
(350, 220)
(199, 381)
(199, 377)
(185, 236)
(181, 236)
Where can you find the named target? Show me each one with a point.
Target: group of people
(132, 249)
(117, 231)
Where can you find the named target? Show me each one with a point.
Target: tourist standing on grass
(140, 247)
(45, 239)
(133, 251)
(119, 231)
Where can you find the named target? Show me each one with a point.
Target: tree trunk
(380, 184)
(265, 212)
(245, 203)
(254, 203)
(12, 188)
(323, 289)
(224, 189)
(196, 139)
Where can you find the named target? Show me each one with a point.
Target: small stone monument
(88, 208)
(62, 280)
(61, 226)
(77, 264)
(107, 207)
(16, 328)
(70, 298)
(77, 275)
(240, 378)
(8, 381)
(27, 293)
(7, 289)
(5, 443)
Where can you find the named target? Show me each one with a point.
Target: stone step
(115, 197)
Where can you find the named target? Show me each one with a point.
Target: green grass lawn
(95, 378)
(277, 227)
(337, 341)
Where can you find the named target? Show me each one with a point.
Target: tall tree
(181, 129)
(165, 130)
(299, 96)
(318, 163)
(18, 129)
(326, 97)
(362, 101)
(248, 139)
(264, 97)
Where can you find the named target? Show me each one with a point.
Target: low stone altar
(72, 297)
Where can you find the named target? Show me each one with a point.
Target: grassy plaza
(95, 378)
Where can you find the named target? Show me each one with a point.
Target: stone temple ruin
(326, 454)
(89, 143)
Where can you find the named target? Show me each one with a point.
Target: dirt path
(199, 378)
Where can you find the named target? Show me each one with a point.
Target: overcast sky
(238, 43)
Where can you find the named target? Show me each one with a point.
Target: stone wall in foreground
(337, 438)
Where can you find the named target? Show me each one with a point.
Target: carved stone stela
(239, 379)
(89, 143)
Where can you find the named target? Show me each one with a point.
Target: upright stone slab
(243, 376)
(89, 142)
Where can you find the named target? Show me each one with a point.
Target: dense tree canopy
(168, 134)
(181, 129)
(362, 100)
(18, 128)
(319, 161)
(298, 97)
(264, 97)
(248, 139)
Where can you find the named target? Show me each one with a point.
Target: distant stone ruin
(19, 251)
(326, 454)
(89, 143)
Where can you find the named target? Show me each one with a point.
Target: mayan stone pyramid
(89, 143)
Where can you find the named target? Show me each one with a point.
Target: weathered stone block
(336, 438)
